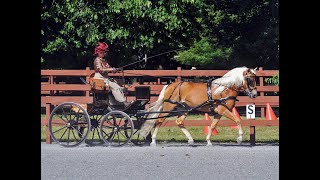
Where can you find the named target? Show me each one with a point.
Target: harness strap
(178, 102)
(209, 89)
(179, 84)
(224, 99)
(209, 84)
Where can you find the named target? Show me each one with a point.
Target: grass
(264, 134)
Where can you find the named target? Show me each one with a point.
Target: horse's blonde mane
(232, 78)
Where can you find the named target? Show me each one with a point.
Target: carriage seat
(97, 85)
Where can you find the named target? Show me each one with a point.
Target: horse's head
(249, 82)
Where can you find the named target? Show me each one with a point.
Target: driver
(102, 68)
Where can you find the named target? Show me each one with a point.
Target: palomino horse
(191, 94)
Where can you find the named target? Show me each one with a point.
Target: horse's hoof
(191, 142)
(153, 144)
(209, 145)
(239, 140)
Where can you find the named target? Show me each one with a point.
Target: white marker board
(251, 111)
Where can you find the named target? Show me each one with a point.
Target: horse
(193, 94)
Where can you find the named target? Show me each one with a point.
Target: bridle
(250, 82)
(247, 90)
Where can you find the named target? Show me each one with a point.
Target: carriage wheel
(113, 127)
(138, 139)
(69, 124)
(94, 137)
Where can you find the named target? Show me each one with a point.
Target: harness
(209, 89)
(210, 101)
(209, 84)
(179, 92)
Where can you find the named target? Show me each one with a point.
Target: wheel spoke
(63, 134)
(70, 111)
(106, 133)
(61, 118)
(122, 134)
(59, 129)
(112, 137)
(57, 123)
(98, 134)
(77, 113)
(94, 129)
(64, 114)
(77, 130)
(82, 118)
(138, 136)
(135, 132)
(120, 121)
(108, 126)
(68, 136)
(123, 128)
(118, 137)
(74, 136)
(109, 121)
(98, 119)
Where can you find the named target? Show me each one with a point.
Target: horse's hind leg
(155, 132)
(179, 122)
(214, 123)
(166, 107)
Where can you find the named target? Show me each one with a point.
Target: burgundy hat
(101, 47)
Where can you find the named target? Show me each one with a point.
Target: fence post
(261, 80)
(179, 72)
(51, 82)
(48, 112)
(252, 135)
(87, 80)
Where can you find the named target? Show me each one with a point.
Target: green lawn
(226, 134)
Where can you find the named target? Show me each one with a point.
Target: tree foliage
(273, 80)
(204, 54)
(222, 33)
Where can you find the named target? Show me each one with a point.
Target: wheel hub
(94, 123)
(71, 123)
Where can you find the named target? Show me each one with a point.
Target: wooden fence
(55, 91)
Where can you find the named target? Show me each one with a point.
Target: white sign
(251, 111)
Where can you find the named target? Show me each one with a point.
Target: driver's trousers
(114, 87)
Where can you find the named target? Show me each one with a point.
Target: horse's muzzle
(253, 93)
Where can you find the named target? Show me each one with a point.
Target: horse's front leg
(214, 123)
(179, 122)
(231, 116)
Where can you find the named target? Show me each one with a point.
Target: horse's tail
(155, 106)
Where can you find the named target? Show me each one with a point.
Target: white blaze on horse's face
(250, 81)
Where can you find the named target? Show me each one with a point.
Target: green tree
(205, 55)
(70, 29)
(273, 80)
(248, 29)
(243, 32)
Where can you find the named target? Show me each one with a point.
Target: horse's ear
(255, 68)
